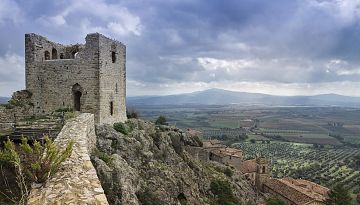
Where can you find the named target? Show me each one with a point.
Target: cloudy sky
(282, 47)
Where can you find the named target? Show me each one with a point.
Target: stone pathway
(76, 183)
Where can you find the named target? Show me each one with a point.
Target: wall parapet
(76, 181)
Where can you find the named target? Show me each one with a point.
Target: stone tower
(88, 77)
(262, 172)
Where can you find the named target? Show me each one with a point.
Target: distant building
(212, 144)
(256, 171)
(248, 168)
(228, 156)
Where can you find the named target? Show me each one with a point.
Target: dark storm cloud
(204, 41)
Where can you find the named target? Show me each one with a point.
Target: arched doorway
(77, 93)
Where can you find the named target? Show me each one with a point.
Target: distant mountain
(4, 99)
(225, 97)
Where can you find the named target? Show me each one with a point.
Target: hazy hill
(223, 97)
(4, 99)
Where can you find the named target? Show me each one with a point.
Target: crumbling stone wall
(76, 182)
(19, 107)
(85, 78)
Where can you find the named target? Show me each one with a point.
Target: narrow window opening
(263, 169)
(116, 88)
(47, 55)
(113, 56)
(54, 53)
(61, 56)
(111, 108)
(77, 96)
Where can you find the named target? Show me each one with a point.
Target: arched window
(54, 53)
(74, 54)
(113, 56)
(77, 93)
(47, 55)
(61, 56)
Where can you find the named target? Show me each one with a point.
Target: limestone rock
(150, 163)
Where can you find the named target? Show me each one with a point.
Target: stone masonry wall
(76, 182)
(112, 80)
(51, 81)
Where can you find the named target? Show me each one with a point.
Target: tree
(338, 196)
(161, 120)
(275, 201)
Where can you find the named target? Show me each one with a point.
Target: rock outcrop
(149, 165)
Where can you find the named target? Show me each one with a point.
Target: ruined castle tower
(86, 77)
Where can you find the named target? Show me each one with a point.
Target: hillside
(149, 165)
(224, 97)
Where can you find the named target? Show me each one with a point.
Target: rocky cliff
(149, 165)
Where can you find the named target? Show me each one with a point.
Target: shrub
(121, 127)
(228, 172)
(36, 163)
(108, 159)
(147, 197)
(66, 109)
(222, 190)
(132, 113)
(69, 115)
(274, 201)
(161, 120)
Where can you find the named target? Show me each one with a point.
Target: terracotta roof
(315, 191)
(298, 192)
(248, 166)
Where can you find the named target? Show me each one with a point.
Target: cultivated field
(318, 144)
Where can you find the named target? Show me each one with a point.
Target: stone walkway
(76, 182)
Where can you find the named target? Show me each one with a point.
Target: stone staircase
(36, 130)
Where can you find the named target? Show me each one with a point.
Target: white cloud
(211, 64)
(114, 19)
(346, 11)
(11, 73)
(10, 11)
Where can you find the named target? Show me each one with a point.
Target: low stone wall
(76, 182)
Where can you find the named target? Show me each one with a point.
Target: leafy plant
(36, 163)
(108, 159)
(132, 113)
(161, 120)
(121, 127)
(222, 190)
(339, 196)
(274, 201)
(228, 172)
(69, 115)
